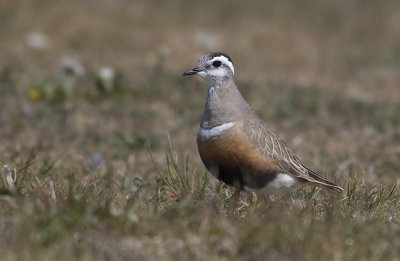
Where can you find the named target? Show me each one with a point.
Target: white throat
(212, 89)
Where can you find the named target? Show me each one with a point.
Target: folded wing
(275, 148)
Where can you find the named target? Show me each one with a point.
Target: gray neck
(224, 104)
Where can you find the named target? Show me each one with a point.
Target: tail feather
(320, 181)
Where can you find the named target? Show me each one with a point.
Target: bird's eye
(217, 64)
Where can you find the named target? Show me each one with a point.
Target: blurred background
(96, 86)
(84, 76)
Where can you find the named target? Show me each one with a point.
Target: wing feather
(275, 148)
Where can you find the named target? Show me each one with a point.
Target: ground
(98, 127)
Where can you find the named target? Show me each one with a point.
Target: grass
(99, 169)
(182, 214)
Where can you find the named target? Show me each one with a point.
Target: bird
(237, 146)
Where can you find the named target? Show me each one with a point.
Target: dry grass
(91, 174)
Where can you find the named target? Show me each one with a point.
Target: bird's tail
(322, 182)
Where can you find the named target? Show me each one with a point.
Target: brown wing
(275, 148)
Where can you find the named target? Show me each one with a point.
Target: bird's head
(213, 66)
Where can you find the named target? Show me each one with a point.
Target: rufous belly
(234, 159)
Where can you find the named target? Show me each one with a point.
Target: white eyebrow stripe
(225, 61)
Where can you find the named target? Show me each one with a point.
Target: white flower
(72, 66)
(106, 73)
(36, 40)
